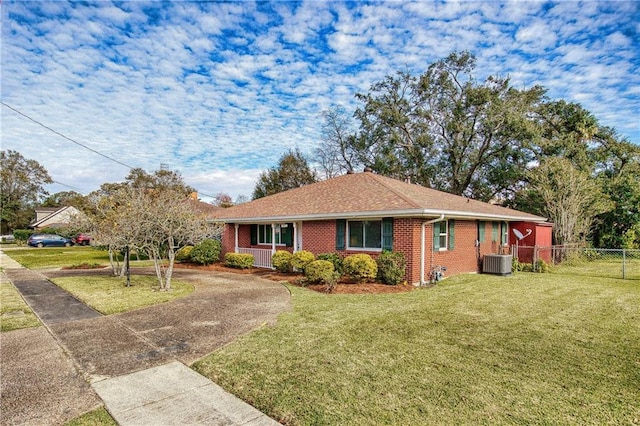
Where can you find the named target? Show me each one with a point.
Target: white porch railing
(261, 257)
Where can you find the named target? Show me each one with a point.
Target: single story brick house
(368, 213)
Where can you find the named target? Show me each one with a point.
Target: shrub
(391, 267)
(319, 271)
(360, 267)
(184, 254)
(301, 259)
(322, 271)
(206, 252)
(334, 258)
(281, 260)
(542, 266)
(22, 235)
(238, 260)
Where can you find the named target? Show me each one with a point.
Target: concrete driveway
(222, 307)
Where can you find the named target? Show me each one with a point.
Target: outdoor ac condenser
(499, 264)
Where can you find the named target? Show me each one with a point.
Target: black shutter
(287, 235)
(387, 234)
(254, 235)
(341, 229)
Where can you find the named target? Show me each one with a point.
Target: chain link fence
(588, 262)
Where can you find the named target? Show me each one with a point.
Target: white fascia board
(423, 213)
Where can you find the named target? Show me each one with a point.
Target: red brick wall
(319, 237)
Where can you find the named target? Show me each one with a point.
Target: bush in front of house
(281, 260)
(22, 235)
(184, 254)
(321, 271)
(238, 260)
(206, 252)
(360, 267)
(391, 267)
(301, 259)
(334, 258)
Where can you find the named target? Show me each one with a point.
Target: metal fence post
(624, 261)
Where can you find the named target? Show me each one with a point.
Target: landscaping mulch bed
(343, 287)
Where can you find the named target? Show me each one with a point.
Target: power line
(66, 137)
(77, 143)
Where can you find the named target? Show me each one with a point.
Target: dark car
(82, 240)
(49, 240)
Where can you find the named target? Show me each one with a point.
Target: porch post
(235, 250)
(273, 238)
(295, 237)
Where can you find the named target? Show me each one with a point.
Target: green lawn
(110, 295)
(475, 349)
(99, 417)
(57, 257)
(14, 312)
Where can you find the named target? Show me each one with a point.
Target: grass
(58, 257)
(14, 312)
(110, 295)
(475, 349)
(99, 417)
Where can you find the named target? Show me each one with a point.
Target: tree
(293, 171)
(223, 199)
(571, 198)
(444, 130)
(152, 214)
(21, 188)
(67, 198)
(336, 154)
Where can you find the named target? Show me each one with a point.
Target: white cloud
(219, 91)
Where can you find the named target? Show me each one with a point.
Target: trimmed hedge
(301, 259)
(360, 267)
(184, 254)
(206, 252)
(391, 267)
(334, 258)
(321, 271)
(281, 260)
(238, 260)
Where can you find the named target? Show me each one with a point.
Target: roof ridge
(381, 180)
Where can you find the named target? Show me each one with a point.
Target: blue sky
(219, 91)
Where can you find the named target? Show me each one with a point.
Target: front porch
(271, 236)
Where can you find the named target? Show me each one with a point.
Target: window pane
(278, 234)
(443, 235)
(355, 234)
(373, 234)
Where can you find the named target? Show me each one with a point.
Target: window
(365, 234)
(443, 236)
(505, 233)
(265, 234)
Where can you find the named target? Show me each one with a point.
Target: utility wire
(66, 137)
(77, 143)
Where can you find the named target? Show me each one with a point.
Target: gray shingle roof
(365, 195)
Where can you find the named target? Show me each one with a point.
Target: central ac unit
(499, 264)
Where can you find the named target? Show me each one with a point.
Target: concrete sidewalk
(110, 351)
(173, 394)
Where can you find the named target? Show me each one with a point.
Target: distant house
(54, 217)
(369, 213)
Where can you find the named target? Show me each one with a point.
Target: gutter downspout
(423, 244)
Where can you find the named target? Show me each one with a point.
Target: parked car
(49, 240)
(82, 239)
